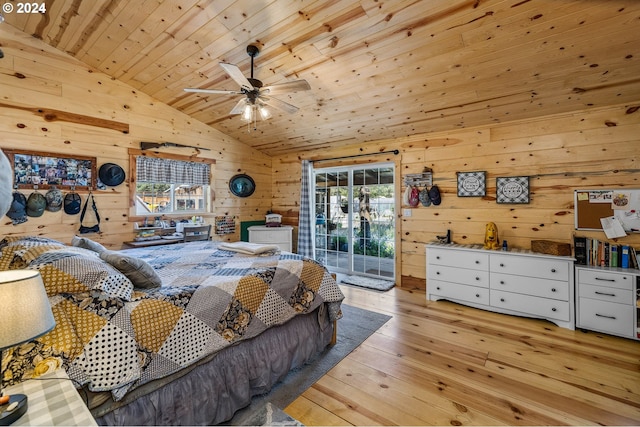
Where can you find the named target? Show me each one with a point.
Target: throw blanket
(210, 298)
(249, 248)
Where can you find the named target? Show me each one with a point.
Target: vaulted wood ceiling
(378, 69)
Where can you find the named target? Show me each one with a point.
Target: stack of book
(596, 252)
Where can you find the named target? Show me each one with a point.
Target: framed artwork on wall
(512, 189)
(472, 184)
(46, 170)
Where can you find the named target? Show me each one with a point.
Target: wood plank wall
(597, 148)
(92, 114)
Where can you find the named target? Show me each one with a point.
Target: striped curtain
(305, 230)
(168, 171)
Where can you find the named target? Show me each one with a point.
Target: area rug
(268, 415)
(354, 328)
(368, 282)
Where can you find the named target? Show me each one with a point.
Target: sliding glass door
(355, 219)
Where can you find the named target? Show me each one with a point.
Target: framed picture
(472, 184)
(512, 189)
(46, 170)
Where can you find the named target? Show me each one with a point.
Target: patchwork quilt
(112, 336)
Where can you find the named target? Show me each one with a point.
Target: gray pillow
(83, 242)
(141, 274)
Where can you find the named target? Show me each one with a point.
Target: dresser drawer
(609, 317)
(605, 278)
(438, 290)
(458, 259)
(526, 304)
(604, 293)
(270, 236)
(530, 286)
(457, 275)
(531, 266)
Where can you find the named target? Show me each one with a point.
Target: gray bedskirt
(213, 390)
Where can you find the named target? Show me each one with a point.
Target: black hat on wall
(111, 174)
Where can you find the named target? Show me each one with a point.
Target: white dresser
(281, 236)
(608, 300)
(517, 282)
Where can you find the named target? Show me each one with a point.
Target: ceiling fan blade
(235, 73)
(273, 102)
(216, 91)
(280, 88)
(239, 107)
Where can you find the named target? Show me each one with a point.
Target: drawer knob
(437, 272)
(606, 317)
(554, 309)
(477, 278)
(438, 287)
(477, 295)
(553, 270)
(437, 256)
(553, 290)
(502, 282)
(501, 265)
(477, 262)
(501, 299)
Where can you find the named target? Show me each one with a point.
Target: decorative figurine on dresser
(491, 240)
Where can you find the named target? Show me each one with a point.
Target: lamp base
(8, 418)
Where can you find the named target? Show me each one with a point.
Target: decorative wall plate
(242, 185)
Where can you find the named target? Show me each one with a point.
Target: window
(171, 185)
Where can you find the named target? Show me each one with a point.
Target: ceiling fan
(257, 96)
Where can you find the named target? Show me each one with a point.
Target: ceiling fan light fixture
(256, 103)
(264, 112)
(248, 113)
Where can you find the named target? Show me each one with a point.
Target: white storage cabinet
(281, 236)
(518, 282)
(608, 300)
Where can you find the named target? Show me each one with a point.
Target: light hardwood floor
(439, 363)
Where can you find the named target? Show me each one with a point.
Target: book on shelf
(580, 249)
(595, 252)
(625, 257)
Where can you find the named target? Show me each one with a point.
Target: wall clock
(242, 185)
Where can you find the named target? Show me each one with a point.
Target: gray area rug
(269, 415)
(355, 326)
(368, 282)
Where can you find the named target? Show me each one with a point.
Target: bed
(178, 334)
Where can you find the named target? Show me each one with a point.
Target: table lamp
(25, 314)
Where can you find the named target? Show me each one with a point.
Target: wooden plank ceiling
(378, 69)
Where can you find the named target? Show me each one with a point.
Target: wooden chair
(197, 232)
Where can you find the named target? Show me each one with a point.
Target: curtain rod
(395, 152)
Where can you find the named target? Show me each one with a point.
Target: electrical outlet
(406, 213)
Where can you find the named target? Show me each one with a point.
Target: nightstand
(53, 400)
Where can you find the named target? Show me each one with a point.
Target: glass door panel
(355, 220)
